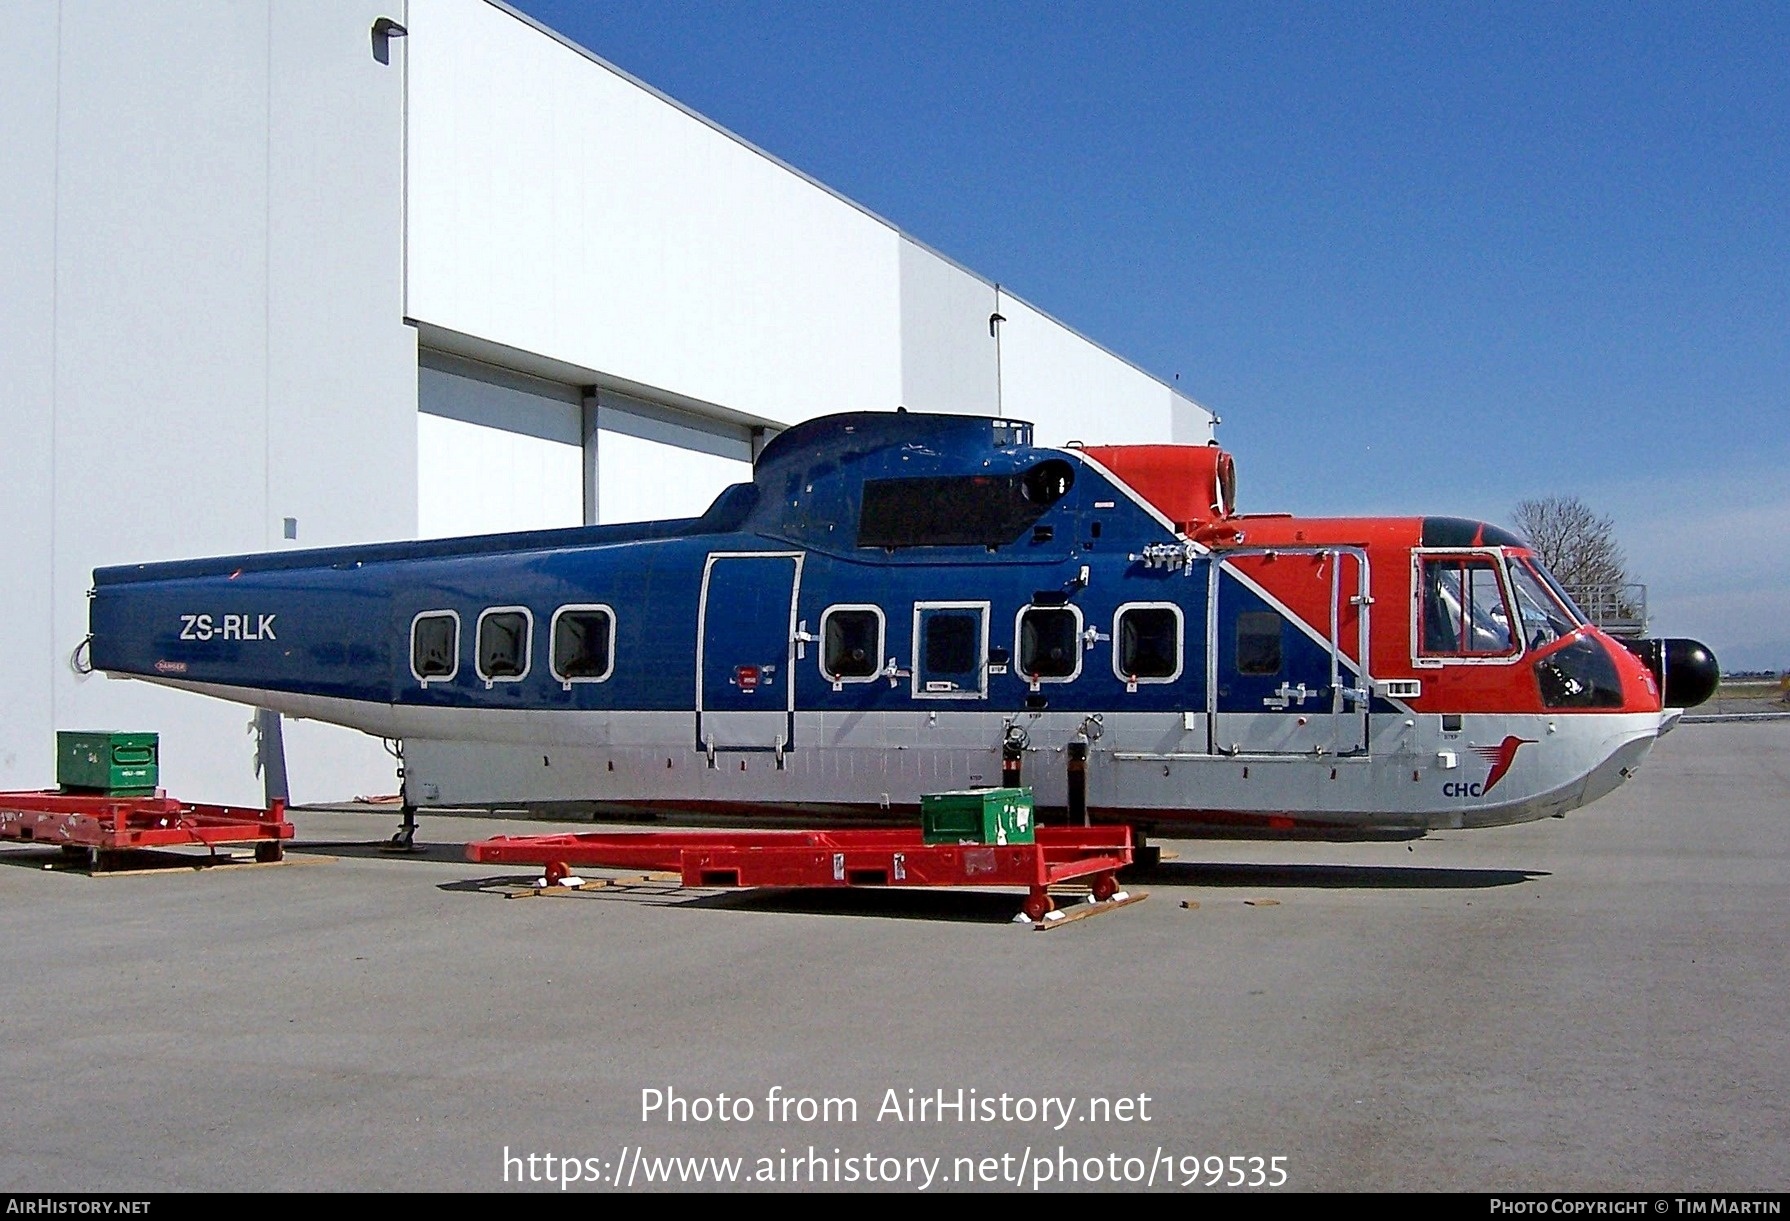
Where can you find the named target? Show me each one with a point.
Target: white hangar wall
(949, 353)
(569, 222)
(501, 450)
(200, 336)
(220, 217)
(1073, 390)
(561, 209)
(28, 88)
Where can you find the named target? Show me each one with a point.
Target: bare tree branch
(1577, 545)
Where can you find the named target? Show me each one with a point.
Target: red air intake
(1190, 484)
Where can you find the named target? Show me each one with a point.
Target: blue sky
(1420, 258)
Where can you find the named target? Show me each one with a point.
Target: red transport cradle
(105, 826)
(855, 857)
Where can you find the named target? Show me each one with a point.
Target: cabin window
(1049, 643)
(583, 644)
(1147, 644)
(960, 510)
(1463, 611)
(435, 646)
(503, 643)
(1258, 643)
(851, 643)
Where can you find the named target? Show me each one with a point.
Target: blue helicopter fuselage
(891, 604)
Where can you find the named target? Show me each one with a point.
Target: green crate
(978, 816)
(116, 764)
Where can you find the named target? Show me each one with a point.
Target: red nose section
(1640, 689)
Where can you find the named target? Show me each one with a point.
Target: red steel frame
(855, 857)
(114, 824)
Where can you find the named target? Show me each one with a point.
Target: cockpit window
(1544, 619)
(1463, 611)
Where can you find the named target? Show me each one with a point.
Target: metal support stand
(1078, 782)
(844, 857)
(104, 831)
(1145, 856)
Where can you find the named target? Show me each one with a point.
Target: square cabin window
(851, 644)
(583, 644)
(1049, 642)
(1258, 643)
(952, 644)
(503, 644)
(1149, 642)
(435, 646)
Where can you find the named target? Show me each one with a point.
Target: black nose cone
(1686, 669)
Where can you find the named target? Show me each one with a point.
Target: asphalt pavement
(1595, 1004)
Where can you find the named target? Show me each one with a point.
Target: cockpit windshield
(1545, 617)
(1560, 595)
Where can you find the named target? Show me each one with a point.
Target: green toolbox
(978, 816)
(115, 764)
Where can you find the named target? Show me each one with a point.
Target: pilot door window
(1462, 612)
(504, 633)
(435, 647)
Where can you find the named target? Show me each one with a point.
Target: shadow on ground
(379, 849)
(956, 904)
(1326, 877)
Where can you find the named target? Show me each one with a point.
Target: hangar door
(496, 450)
(499, 450)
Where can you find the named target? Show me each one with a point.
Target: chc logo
(1499, 757)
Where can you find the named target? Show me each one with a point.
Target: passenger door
(745, 653)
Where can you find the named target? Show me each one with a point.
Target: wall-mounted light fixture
(384, 30)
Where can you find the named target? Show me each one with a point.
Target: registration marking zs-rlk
(227, 627)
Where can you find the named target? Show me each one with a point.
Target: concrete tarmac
(1591, 1004)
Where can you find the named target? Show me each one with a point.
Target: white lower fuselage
(1158, 769)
